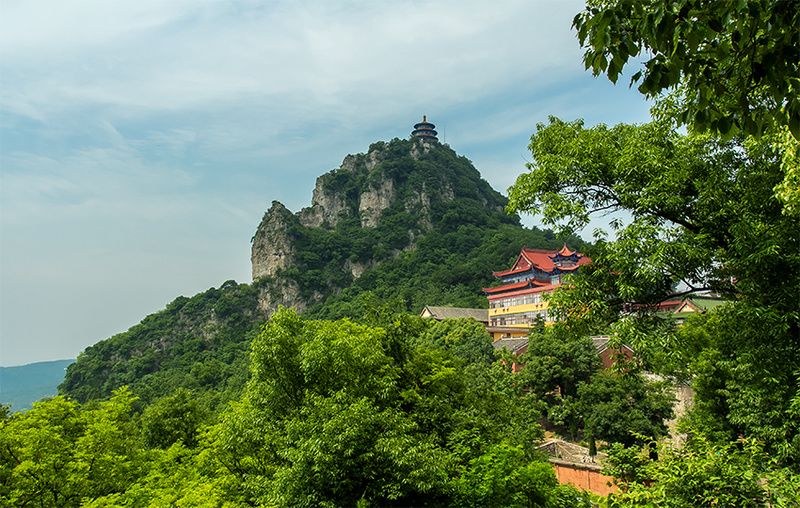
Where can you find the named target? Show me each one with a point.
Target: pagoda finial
(424, 118)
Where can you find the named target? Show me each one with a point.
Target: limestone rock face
(419, 149)
(280, 292)
(374, 201)
(273, 248)
(418, 203)
(356, 269)
(328, 206)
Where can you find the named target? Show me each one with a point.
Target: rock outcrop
(273, 248)
(413, 184)
(327, 207)
(373, 201)
(280, 292)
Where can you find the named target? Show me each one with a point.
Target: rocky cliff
(273, 248)
(400, 189)
(404, 225)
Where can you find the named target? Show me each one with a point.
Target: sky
(141, 141)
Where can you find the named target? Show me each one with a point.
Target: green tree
(624, 408)
(703, 474)
(502, 477)
(173, 418)
(338, 413)
(59, 454)
(702, 210)
(557, 363)
(702, 216)
(736, 62)
(466, 338)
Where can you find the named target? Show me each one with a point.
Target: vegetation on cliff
(197, 343)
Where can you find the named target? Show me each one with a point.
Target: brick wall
(584, 476)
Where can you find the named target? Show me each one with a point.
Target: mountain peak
(374, 206)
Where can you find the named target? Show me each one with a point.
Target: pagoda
(425, 130)
(517, 302)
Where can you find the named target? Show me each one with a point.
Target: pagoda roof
(565, 251)
(544, 260)
(509, 287)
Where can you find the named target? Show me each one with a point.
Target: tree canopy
(396, 412)
(736, 62)
(702, 216)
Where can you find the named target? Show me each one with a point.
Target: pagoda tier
(425, 130)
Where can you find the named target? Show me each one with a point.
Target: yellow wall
(523, 332)
(516, 309)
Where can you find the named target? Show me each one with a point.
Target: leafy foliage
(401, 412)
(383, 415)
(624, 408)
(173, 418)
(703, 210)
(58, 454)
(556, 363)
(562, 372)
(702, 474)
(445, 267)
(736, 61)
(703, 217)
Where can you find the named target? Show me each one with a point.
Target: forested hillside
(198, 343)
(434, 239)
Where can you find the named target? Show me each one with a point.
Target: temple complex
(425, 130)
(517, 303)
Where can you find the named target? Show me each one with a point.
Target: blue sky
(142, 141)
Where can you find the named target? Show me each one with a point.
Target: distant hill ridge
(408, 223)
(22, 385)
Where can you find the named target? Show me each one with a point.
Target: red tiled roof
(669, 305)
(543, 260)
(565, 251)
(509, 287)
(511, 271)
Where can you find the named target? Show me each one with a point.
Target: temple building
(425, 130)
(517, 304)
